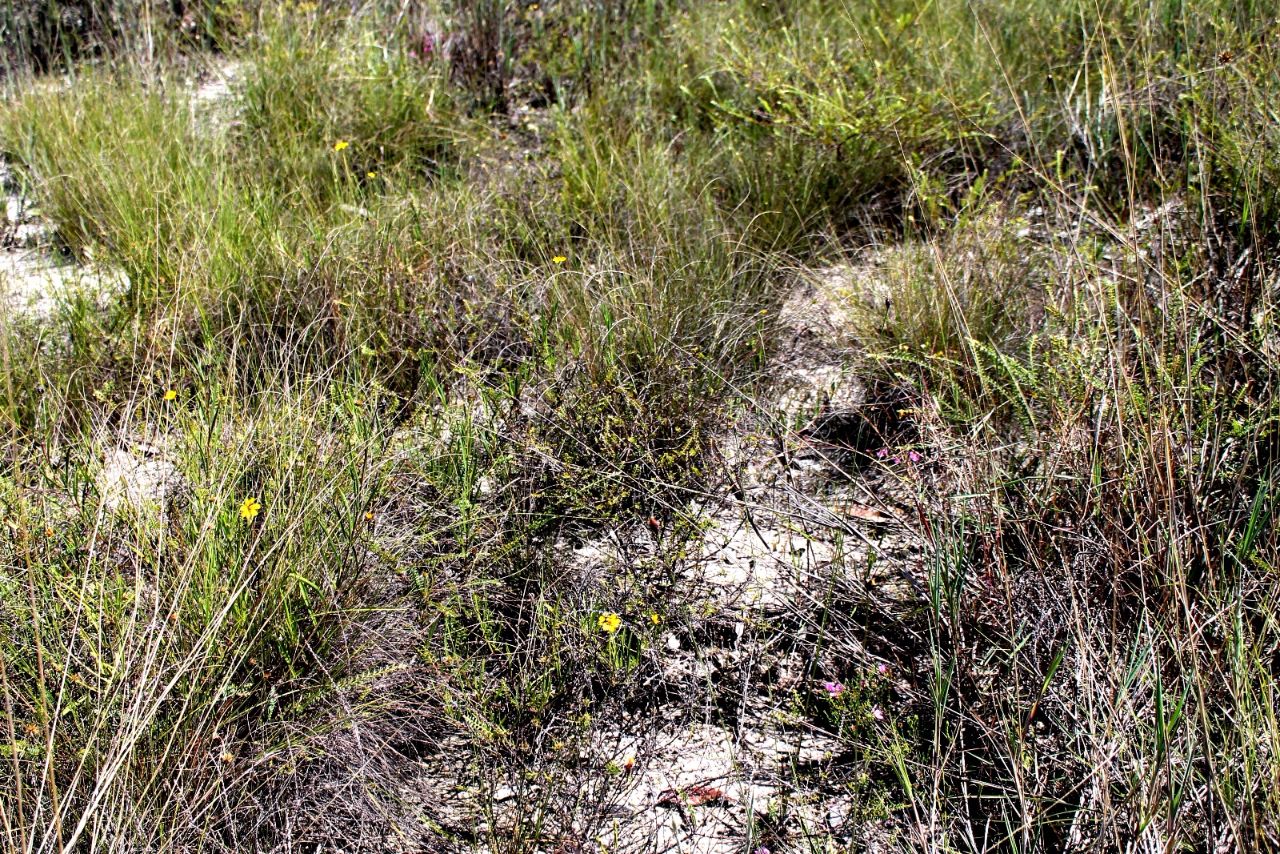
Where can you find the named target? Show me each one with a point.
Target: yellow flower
(609, 623)
(654, 618)
(371, 175)
(171, 394)
(341, 144)
(559, 259)
(249, 508)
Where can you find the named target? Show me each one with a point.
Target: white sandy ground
(706, 788)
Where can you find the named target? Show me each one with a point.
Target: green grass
(454, 291)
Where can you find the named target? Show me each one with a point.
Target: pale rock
(212, 101)
(805, 394)
(839, 812)
(817, 311)
(139, 479)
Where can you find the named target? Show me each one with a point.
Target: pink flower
(882, 453)
(882, 669)
(835, 689)
(425, 47)
(877, 713)
(914, 457)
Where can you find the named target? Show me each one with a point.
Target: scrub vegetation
(437, 298)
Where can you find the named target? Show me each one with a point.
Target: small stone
(838, 814)
(30, 234)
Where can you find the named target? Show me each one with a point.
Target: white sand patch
(687, 791)
(33, 278)
(817, 311)
(749, 559)
(33, 282)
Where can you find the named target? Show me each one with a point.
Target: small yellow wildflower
(341, 144)
(249, 508)
(371, 175)
(559, 259)
(654, 618)
(171, 394)
(609, 623)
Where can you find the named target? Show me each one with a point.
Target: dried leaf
(868, 514)
(698, 795)
(694, 796)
